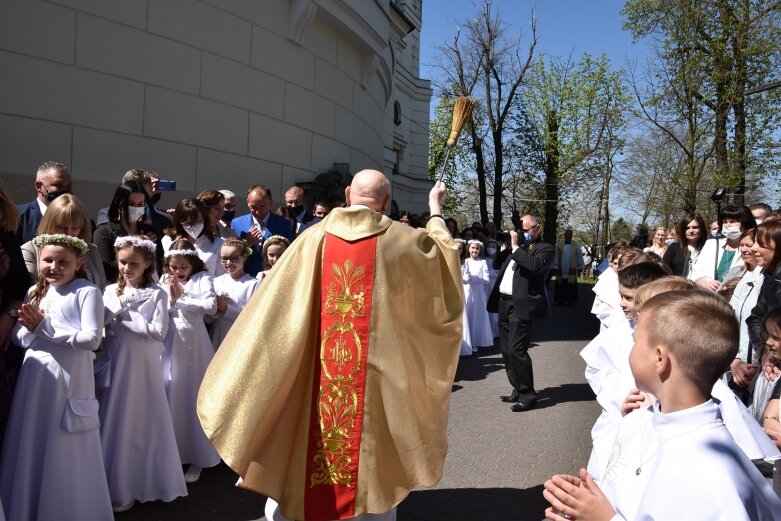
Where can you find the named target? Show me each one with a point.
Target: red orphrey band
(338, 389)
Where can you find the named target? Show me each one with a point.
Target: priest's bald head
(370, 188)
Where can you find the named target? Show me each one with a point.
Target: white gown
(139, 446)
(607, 301)
(475, 278)
(188, 351)
(684, 465)
(238, 293)
(48, 473)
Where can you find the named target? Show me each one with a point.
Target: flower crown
(475, 241)
(60, 239)
(279, 238)
(174, 253)
(138, 242)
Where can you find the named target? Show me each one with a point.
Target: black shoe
(522, 406)
(512, 397)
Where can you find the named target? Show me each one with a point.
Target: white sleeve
(704, 265)
(156, 327)
(484, 276)
(88, 335)
(202, 297)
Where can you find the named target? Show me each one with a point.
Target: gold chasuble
(330, 394)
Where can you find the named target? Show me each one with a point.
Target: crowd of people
(112, 323)
(686, 369)
(108, 326)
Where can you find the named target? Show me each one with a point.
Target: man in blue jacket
(258, 225)
(51, 180)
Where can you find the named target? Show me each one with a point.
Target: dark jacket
(29, 218)
(677, 259)
(276, 226)
(769, 299)
(530, 298)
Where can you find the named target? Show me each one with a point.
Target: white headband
(138, 242)
(173, 253)
(475, 241)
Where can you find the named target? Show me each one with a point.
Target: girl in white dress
(475, 277)
(52, 465)
(233, 289)
(139, 446)
(466, 337)
(273, 249)
(190, 222)
(188, 351)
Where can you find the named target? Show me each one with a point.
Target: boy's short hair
(700, 330)
(617, 249)
(658, 286)
(634, 276)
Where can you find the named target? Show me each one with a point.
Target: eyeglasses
(226, 260)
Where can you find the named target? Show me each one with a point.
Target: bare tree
(489, 64)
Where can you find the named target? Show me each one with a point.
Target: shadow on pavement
(569, 322)
(474, 504)
(478, 366)
(564, 393)
(213, 497)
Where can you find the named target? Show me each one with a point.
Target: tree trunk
(551, 177)
(477, 148)
(498, 167)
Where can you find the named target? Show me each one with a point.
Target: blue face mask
(527, 237)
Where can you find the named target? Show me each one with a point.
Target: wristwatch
(13, 312)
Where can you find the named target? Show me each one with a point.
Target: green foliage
(711, 53)
(620, 230)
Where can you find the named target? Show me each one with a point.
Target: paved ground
(497, 459)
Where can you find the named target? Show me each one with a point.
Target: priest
(330, 393)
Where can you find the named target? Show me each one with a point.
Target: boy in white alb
(675, 459)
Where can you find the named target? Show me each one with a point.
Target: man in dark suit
(519, 296)
(258, 225)
(51, 180)
(294, 200)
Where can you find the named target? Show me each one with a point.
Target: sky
(563, 26)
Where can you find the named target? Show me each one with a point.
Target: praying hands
(576, 498)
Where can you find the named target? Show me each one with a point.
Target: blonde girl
(134, 408)
(52, 463)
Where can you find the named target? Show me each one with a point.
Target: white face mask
(731, 232)
(135, 213)
(759, 221)
(194, 230)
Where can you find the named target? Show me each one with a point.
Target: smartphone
(166, 186)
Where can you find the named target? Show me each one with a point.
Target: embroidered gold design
(340, 359)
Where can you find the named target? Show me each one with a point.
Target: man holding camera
(519, 296)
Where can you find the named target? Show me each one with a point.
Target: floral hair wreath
(60, 239)
(174, 253)
(475, 241)
(138, 242)
(279, 238)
